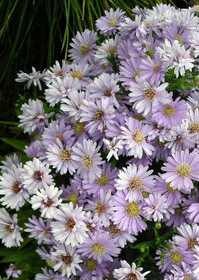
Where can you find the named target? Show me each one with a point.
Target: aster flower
(60, 157)
(92, 270)
(33, 116)
(35, 149)
(81, 71)
(109, 24)
(102, 207)
(100, 247)
(144, 96)
(129, 70)
(11, 187)
(39, 230)
(134, 135)
(193, 212)
(87, 159)
(9, 230)
(35, 175)
(115, 147)
(127, 214)
(175, 32)
(47, 200)
(57, 70)
(59, 89)
(174, 256)
(104, 182)
(136, 179)
(169, 114)
(13, 271)
(181, 169)
(67, 260)
(69, 226)
(183, 272)
(48, 275)
(8, 162)
(129, 272)
(83, 46)
(97, 115)
(32, 78)
(188, 235)
(126, 50)
(155, 207)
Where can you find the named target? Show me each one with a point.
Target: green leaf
(15, 143)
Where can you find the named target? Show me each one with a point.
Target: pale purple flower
(59, 89)
(35, 175)
(110, 23)
(12, 189)
(83, 46)
(67, 260)
(115, 147)
(129, 272)
(49, 275)
(68, 226)
(35, 149)
(82, 72)
(99, 246)
(155, 207)
(127, 214)
(39, 230)
(13, 271)
(180, 169)
(60, 156)
(87, 159)
(32, 78)
(97, 114)
(9, 230)
(175, 32)
(136, 180)
(33, 117)
(92, 270)
(144, 95)
(188, 235)
(134, 135)
(47, 201)
(193, 212)
(169, 114)
(126, 50)
(9, 161)
(57, 70)
(129, 70)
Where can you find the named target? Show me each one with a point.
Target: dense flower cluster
(116, 155)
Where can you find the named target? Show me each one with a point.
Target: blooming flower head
(32, 78)
(144, 96)
(129, 272)
(35, 175)
(9, 230)
(13, 271)
(100, 247)
(68, 226)
(83, 46)
(87, 159)
(109, 24)
(181, 169)
(136, 179)
(33, 117)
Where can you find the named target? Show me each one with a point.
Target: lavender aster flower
(32, 78)
(87, 159)
(83, 47)
(9, 230)
(129, 272)
(69, 226)
(181, 169)
(109, 24)
(100, 247)
(13, 271)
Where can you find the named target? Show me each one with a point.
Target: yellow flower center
(187, 277)
(194, 127)
(76, 74)
(84, 48)
(183, 169)
(132, 209)
(136, 183)
(65, 155)
(169, 188)
(178, 38)
(138, 136)
(111, 49)
(78, 127)
(86, 161)
(102, 180)
(178, 211)
(145, 194)
(98, 248)
(90, 264)
(175, 257)
(149, 93)
(72, 197)
(112, 21)
(58, 136)
(168, 110)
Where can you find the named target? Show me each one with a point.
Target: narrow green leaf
(15, 143)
